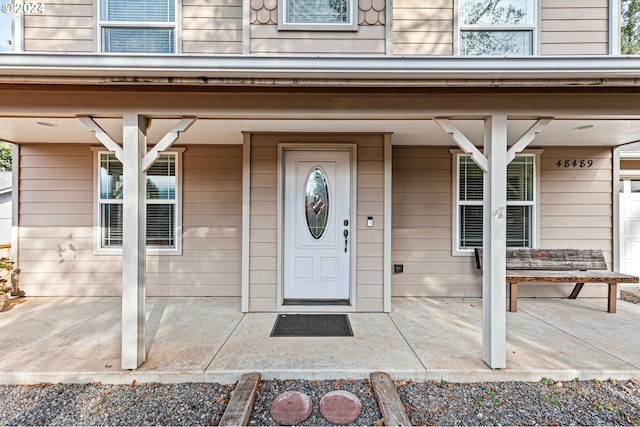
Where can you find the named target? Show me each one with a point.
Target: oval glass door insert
(316, 204)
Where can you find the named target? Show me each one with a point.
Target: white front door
(317, 225)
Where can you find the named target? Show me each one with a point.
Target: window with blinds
(331, 15)
(520, 202)
(138, 26)
(161, 202)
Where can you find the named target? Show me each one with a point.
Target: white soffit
(405, 132)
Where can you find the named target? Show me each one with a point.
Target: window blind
(520, 202)
(137, 40)
(138, 10)
(161, 202)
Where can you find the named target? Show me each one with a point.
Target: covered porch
(436, 104)
(77, 340)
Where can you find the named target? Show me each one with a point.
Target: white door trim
(353, 149)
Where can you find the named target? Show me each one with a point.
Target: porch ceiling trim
(179, 68)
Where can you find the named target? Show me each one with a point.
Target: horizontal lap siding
(263, 234)
(212, 26)
(56, 226)
(576, 203)
(268, 39)
(65, 26)
(370, 240)
(574, 28)
(575, 212)
(211, 260)
(422, 233)
(423, 28)
(575, 209)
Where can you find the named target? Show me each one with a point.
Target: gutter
(270, 69)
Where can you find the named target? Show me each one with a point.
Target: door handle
(346, 239)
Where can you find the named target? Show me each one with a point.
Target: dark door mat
(312, 325)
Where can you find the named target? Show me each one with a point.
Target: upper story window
(138, 26)
(468, 198)
(331, 15)
(497, 27)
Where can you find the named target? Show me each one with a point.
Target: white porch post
(494, 243)
(134, 224)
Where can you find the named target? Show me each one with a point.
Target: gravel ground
(520, 403)
(95, 404)
(545, 402)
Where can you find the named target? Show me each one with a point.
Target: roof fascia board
(318, 67)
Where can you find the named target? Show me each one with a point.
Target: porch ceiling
(561, 131)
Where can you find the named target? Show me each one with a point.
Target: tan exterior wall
(264, 218)
(212, 26)
(575, 212)
(423, 27)
(65, 26)
(422, 229)
(267, 39)
(56, 248)
(419, 28)
(570, 27)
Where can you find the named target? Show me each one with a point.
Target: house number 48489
(574, 163)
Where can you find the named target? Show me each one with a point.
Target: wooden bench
(559, 266)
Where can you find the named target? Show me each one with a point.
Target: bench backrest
(551, 259)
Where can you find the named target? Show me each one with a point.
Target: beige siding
(264, 218)
(422, 233)
(212, 26)
(575, 212)
(576, 203)
(268, 39)
(65, 26)
(423, 28)
(56, 226)
(574, 28)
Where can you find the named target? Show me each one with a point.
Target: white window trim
(97, 235)
(459, 28)
(176, 26)
(535, 214)
(351, 25)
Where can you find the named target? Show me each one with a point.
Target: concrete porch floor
(77, 340)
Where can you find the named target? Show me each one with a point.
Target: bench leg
(576, 290)
(513, 297)
(613, 297)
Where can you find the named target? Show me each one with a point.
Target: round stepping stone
(291, 407)
(340, 407)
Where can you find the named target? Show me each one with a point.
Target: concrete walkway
(210, 340)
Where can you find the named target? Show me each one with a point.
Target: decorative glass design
(316, 203)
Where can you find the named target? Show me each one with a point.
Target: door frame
(352, 148)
